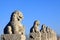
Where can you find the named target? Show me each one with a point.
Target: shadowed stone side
(12, 37)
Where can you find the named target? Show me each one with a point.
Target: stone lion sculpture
(51, 34)
(14, 26)
(43, 32)
(35, 32)
(35, 27)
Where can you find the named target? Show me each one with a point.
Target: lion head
(17, 16)
(36, 23)
(43, 28)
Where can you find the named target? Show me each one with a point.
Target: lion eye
(20, 17)
(37, 24)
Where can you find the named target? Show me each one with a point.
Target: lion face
(44, 27)
(37, 23)
(17, 16)
(47, 29)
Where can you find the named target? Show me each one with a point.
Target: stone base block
(12, 37)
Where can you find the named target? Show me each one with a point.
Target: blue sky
(46, 11)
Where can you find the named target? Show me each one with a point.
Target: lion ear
(14, 15)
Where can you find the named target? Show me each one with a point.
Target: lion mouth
(18, 19)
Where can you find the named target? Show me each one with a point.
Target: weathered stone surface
(35, 36)
(13, 37)
(58, 37)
